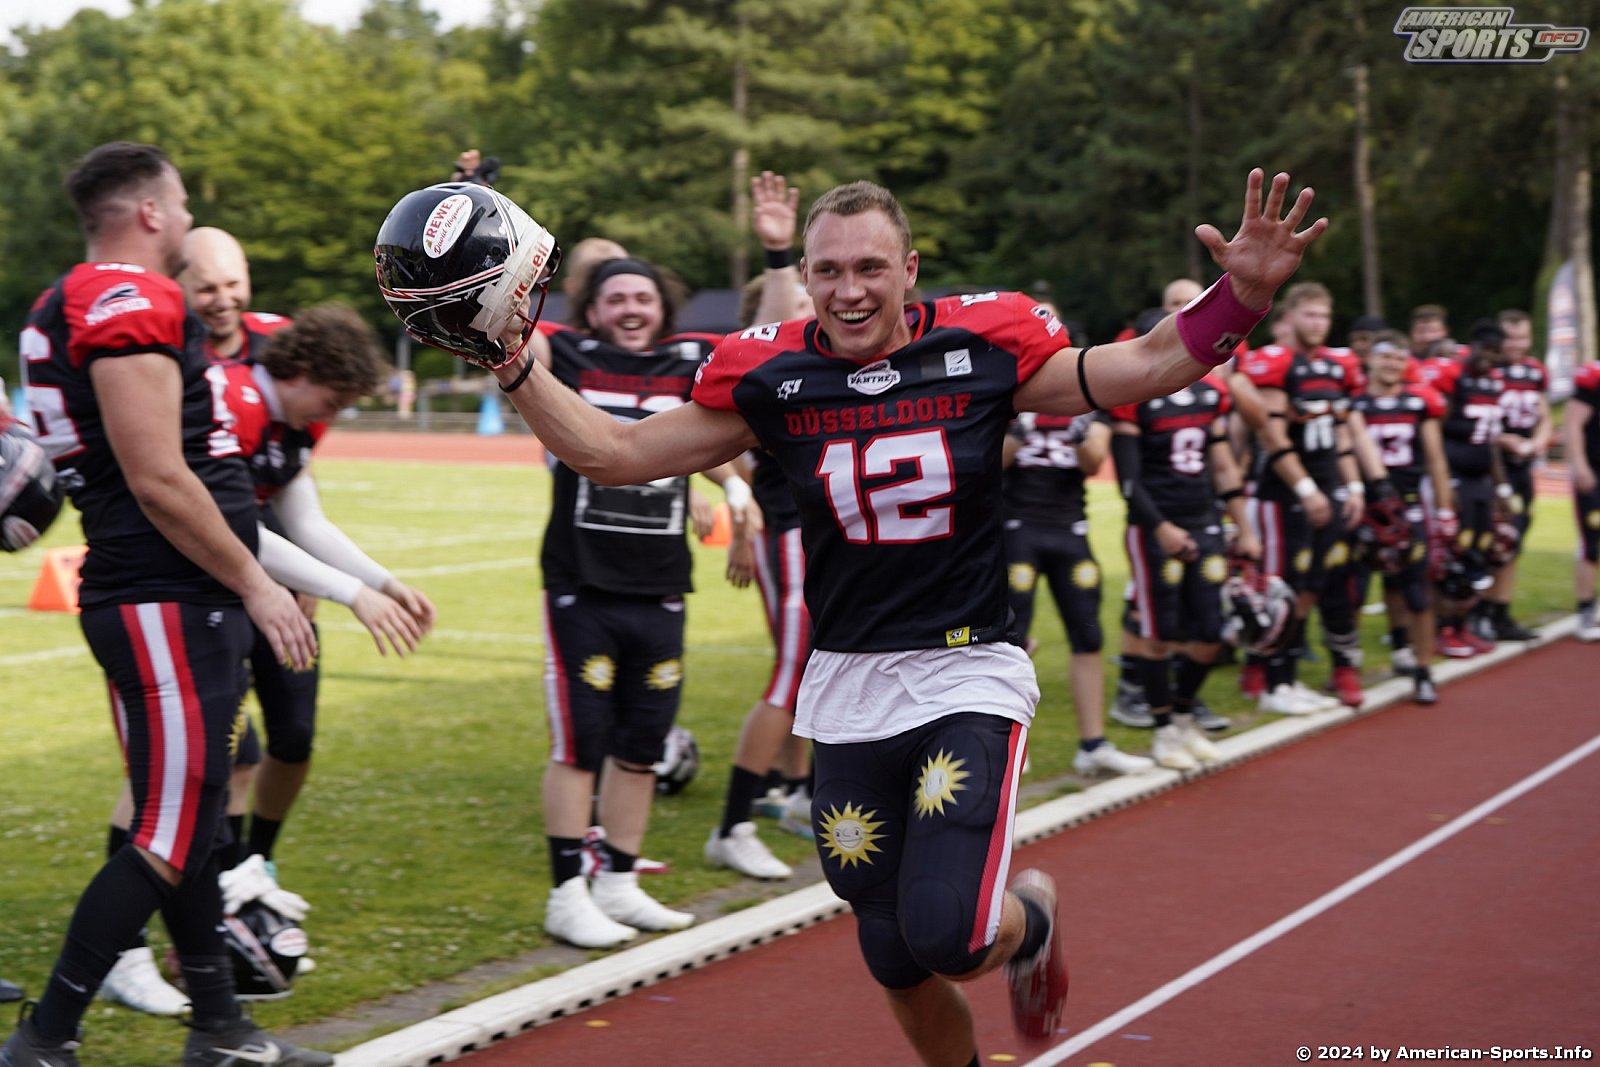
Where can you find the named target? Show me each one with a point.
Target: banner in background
(1561, 342)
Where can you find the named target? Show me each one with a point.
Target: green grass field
(418, 840)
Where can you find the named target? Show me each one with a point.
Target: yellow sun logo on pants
(1085, 575)
(599, 673)
(850, 834)
(1022, 576)
(668, 674)
(938, 784)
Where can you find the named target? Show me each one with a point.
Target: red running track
(1491, 938)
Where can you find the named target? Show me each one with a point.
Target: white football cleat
(1199, 746)
(137, 983)
(1170, 750)
(618, 896)
(744, 852)
(571, 915)
(1284, 700)
(1106, 758)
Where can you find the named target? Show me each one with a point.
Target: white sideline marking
(22, 659)
(467, 568)
(1220, 962)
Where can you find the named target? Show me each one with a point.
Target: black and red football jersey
(1395, 425)
(275, 451)
(1472, 421)
(1586, 387)
(1319, 394)
(1174, 445)
(1044, 484)
(103, 311)
(894, 463)
(1526, 382)
(256, 326)
(771, 491)
(1355, 375)
(628, 539)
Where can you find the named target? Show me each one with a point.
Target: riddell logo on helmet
(446, 224)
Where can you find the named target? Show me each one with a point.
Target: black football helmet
(30, 493)
(458, 262)
(679, 762)
(1385, 537)
(1258, 609)
(266, 950)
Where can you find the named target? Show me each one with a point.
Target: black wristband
(522, 376)
(1083, 379)
(1279, 454)
(1228, 494)
(778, 258)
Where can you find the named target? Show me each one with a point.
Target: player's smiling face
(627, 312)
(858, 270)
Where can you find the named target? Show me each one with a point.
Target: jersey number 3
(900, 512)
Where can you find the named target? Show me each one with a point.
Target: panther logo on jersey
(874, 378)
(120, 299)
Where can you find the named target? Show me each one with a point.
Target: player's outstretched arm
(683, 440)
(385, 617)
(1262, 255)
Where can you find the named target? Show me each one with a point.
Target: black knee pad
(937, 928)
(291, 744)
(887, 955)
(1085, 635)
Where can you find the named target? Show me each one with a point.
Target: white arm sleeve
(301, 511)
(290, 566)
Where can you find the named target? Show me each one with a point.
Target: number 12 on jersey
(898, 513)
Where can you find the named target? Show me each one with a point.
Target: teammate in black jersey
(1473, 386)
(1174, 463)
(1048, 458)
(1526, 429)
(616, 567)
(1582, 439)
(123, 398)
(888, 421)
(1402, 419)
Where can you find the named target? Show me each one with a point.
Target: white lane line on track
(1220, 962)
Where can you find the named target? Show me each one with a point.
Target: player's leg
(1023, 547)
(289, 714)
(769, 725)
(1338, 605)
(581, 660)
(862, 806)
(1496, 604)
(1586, 564)
(649, 682)
(1200, 597)
(1074, 578)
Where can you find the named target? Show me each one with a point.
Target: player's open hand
(274, 611)
(774, 209)
(1267, 250)
(420, 607)
(386, 619)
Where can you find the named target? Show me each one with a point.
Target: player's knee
(638, 746)
(887, 956)
(937, 924)
(291, 745)
(1086, 636)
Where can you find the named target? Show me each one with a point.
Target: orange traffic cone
(57, 586)
(721, 529)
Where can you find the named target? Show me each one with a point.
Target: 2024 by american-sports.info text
(1411, 1053)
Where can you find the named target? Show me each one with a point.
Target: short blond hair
(857, 198)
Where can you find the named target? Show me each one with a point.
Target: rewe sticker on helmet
(446, 224)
